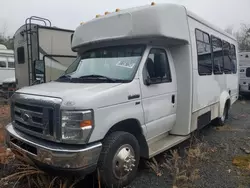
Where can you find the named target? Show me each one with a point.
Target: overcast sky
(69, 13)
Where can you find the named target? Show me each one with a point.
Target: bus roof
(161, 20)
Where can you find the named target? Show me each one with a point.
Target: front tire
(119, 159)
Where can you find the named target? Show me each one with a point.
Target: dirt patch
(4, 119)
(242, 162)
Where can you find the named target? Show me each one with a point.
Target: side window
(217, 55)
(2, 64)
(227, 61)
(233, 59)
(204, 53)
(248, 72)
(157, 66)
(20, 55)
(11, 64)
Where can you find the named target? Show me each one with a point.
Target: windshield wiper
(98, 77)
(64, 77)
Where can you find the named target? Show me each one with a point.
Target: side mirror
(39, 71)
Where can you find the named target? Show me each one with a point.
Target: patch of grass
(243, 162)
(230, 129)
(154, 166)
(182, 169)
(28, 175)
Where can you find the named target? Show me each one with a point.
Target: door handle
(173, 99)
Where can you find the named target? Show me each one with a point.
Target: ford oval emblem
(25, 117)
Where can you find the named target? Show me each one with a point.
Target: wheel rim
(123, 161)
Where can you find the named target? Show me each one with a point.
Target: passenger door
(158, 89)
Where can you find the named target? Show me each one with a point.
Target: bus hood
(82, 95)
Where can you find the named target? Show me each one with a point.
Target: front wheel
(119, 159)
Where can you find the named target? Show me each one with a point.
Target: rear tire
(220, 121)
(119, 159)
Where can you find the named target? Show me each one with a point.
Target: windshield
(116, 64)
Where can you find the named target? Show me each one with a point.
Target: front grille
(36, 117)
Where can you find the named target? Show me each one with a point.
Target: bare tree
(243, 37)
(4, 39)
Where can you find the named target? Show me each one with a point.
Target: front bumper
(55, 155)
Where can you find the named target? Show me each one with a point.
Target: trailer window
(217, 55)
(248, 72)
(204, 53)
(20, 55)
(227, 58)
(11, 64)
(233, 59)
(157, 66)
(2, 64)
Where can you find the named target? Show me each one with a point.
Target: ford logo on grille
(25, 116)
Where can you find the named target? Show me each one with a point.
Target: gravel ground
(220, 146)
(217, 171)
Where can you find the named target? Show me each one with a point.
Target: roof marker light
(98, 15)
(117, 10)
(153, 3)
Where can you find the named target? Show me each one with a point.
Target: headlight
(77, 125)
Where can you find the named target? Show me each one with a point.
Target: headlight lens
(77, 125)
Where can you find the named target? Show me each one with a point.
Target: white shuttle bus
(144, 80)
(244, 67)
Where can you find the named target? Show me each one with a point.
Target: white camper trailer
(144, 80)
(7, 68)
(244, 66)
(42, 52)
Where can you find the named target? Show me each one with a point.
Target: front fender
(106, 117)
(223, 98)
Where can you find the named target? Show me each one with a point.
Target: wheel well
(227, 106)
(228, 103)
(133, 127)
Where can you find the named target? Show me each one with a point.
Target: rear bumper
(244, 88)
(55, 156)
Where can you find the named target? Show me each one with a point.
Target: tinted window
(20, 55)
(204, 53)
(157, 65)
(2, 64)
(233, 59)
(248, 72)
(217, 55)
(11, 64)
(227, 59)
